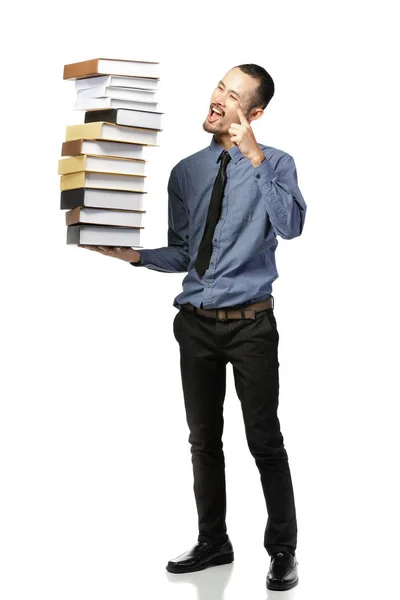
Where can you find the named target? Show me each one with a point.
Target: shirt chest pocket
(246, 203)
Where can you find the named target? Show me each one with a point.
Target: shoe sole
(282, 587)
(218, 560)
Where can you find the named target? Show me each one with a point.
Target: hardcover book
(102, 148)
(101, 164)
(99, 198)
(129, 118)
(99, 216)
(111, 66)
(103, 235)
(119, 93)
(100, 103)
(141, 83)
(113, 133)
(110, 181)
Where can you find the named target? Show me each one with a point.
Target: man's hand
(127, 254)
(243, 136)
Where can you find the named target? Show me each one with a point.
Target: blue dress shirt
(259, 203)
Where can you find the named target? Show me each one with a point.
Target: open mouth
(214, 114)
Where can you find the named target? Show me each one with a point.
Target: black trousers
(251, 346)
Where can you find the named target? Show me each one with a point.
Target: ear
(255, 114)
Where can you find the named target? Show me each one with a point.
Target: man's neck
(224, 140)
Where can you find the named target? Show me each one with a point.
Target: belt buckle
(225, 318)
(251, 313)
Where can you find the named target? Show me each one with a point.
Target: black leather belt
(222, 314)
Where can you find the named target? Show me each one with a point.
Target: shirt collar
(216, 150)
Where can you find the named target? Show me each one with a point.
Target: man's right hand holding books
(127, 254)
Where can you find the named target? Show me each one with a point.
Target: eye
(232, 96)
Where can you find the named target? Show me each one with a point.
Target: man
(227, 246)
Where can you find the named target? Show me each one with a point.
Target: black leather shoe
(201, 556)
(282, 574)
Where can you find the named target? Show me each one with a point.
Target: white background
(95, 464)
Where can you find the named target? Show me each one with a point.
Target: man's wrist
(258, 159)
(136, 263)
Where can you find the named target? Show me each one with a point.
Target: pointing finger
(242, 118)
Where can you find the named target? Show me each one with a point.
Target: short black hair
(266, 87)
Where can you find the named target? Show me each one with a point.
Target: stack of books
(103, 176)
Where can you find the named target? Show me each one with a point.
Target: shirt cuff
(142, 261)
(264, 173)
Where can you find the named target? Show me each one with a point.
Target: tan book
(108, 181)
(115, 133)
(101, 148)
(101, 164)
(111, 66)
(98, 216)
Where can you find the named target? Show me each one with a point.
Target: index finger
(240, 112)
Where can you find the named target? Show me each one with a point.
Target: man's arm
(173, 258)
(284, 202)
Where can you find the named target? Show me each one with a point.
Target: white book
(101, 164)
(118, 93)
(100, 216)
(103, 235)
(142, 83)
(106, 102)
(128, 67)
(92, 198)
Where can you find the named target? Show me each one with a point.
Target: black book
(98, 198)
(125, 116)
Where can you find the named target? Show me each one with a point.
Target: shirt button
(215, 240)
(208, 284)
(258, 176)
(211, 263)
(221, 218)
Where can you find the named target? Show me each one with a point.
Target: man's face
(234, 86)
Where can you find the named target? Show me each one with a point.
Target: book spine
(108, 115)
(72, 164)
(86, 130)
(73, 216)
(72, 181)
(73, 234)
(86, 68)
(72, 148)
(72, 198)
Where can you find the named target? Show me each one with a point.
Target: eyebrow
(233, 91)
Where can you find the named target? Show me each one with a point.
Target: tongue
(214, 116)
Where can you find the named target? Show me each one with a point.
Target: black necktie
(205, 248)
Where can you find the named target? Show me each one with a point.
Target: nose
(219, 98)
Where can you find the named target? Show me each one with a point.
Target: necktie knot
(225, 157)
